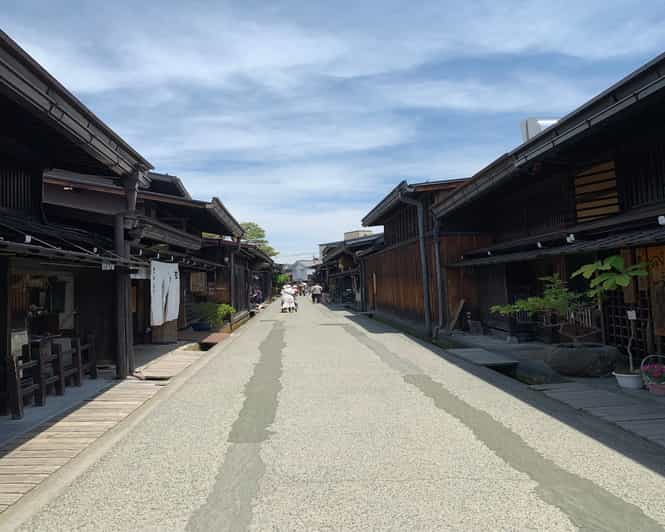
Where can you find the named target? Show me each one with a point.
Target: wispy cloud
(301, 115)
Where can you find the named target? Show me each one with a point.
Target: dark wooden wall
(96, 304)
(397, 273)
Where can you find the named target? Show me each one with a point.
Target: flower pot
(201, 326)
(629, 381)
(652, 369)
(656, 388)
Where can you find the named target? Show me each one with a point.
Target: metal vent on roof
(532, 126)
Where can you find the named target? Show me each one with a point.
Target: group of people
(291, 292)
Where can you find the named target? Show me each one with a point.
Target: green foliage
(609, 274)
(603, 276)
(280, 280)
(255, 234)
(213, 313)
(556, 298)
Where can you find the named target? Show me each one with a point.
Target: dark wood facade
(393, 275)
(590, 186)
(81, 217)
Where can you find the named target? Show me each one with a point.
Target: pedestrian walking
(317, 290)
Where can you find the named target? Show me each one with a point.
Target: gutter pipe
(423, 257)
(441, 288)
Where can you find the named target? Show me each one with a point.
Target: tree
(255, 234)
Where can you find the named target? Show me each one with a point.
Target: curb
(33, 501)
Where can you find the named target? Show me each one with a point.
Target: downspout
(423, 257)
(441, 290)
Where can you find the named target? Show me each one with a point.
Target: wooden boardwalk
(639, 417)
(169, 365)
(28, 460)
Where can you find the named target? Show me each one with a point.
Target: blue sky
(302, 115)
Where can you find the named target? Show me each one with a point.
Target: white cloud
(526, 93)
(301, 115)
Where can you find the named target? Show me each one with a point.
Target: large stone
(583, 359)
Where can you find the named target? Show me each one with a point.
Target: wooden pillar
(5, 339)
(122, 307)
(232, 274)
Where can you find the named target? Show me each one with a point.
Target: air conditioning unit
(532, 126)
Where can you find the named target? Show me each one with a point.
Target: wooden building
(85, 228)
(61, 274)
(340, 269)
(243, 268)
(589, 186)
(404, 278)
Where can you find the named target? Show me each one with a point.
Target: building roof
(28, 82)
(392, 199)
(639, 85)
(212, 216)
(167, 184)
(305, 263)
(353, 247)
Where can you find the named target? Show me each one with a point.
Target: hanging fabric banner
(164, 292)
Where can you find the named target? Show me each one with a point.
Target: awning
(642, 237)
(25, 236)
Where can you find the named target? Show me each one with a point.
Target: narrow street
(322, 420)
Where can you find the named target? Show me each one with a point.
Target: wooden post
(12, 381)
(232, 278)
(122, 369)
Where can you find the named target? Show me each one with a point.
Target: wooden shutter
(596, 192)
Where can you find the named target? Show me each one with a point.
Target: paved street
(324, 421)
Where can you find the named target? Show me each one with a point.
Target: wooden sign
(198, 282)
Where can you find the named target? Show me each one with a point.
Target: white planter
(630, 381)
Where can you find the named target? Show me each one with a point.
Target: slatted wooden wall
(596, 192)
(397, 274)
(15, 189)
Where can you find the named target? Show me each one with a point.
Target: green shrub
(213, 313)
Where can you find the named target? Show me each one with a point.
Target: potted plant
(211, 315)
(610, 274)
(560, 308)
(653, 373)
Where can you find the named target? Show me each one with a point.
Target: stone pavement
(636, 411)
(31, 456)
(322, 420)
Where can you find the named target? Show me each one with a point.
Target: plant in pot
(605, 276)
(653, 373)
(211, 315)
(570, 313)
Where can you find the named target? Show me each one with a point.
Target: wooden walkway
(639, 417)
(28, 460)
(168, 365)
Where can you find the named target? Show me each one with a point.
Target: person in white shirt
(288, 302)
(317, 290)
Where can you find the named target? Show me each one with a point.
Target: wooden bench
(42, 364)
(24, 381)
(84, 359)
(53, 364)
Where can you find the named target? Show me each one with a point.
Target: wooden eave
(82, 181)
(634, 88)
(29, 83)
(161, 232)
